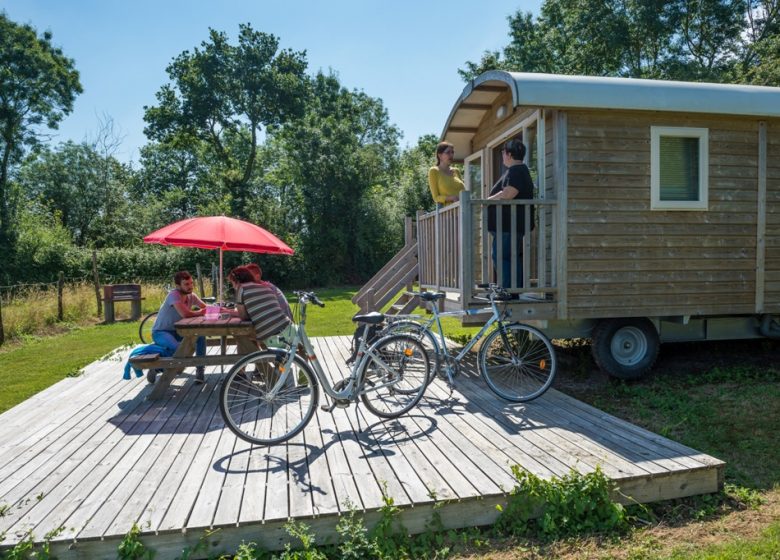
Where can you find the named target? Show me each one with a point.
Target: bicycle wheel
(520, 366)
(425, 336)
(395, 376)
(254, 412)
(145, 328)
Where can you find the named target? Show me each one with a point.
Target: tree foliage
(38, 85)
(689, 40)
(221, 97)
(83, 190)
(412, 175)
(341, 158)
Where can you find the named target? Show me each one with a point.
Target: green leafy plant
(131, 547)
(389, 534)
(308, 550)
(27, 548)
(355, 541)
(574, 504)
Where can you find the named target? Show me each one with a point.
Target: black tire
(625, 348)
(425, 336)
(394, 381)
(518, 365)
(145, 328)
(248, 408)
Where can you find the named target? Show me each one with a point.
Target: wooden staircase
(398, 274)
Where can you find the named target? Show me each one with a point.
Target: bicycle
(269, 396)
(517, 361)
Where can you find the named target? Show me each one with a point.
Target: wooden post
(467, 246)
(96, 280)
(408, 232)
(201, 291)
(214, 280)
(422, 253)
(436, 248)
(2, 330)
(60, 284)
(370, 301)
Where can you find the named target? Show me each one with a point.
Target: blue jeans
(170, 340)
(506, 260)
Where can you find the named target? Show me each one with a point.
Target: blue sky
(405, 52)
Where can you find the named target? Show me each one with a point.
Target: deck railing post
(422, 250)
(408, 231)
(369, 301)
(436, 248)
(467, 248)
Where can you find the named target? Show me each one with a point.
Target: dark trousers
(503, 262)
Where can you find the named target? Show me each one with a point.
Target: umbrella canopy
(219, 232)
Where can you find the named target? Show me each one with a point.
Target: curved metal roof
(589, 92)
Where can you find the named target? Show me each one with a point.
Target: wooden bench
(122, 292)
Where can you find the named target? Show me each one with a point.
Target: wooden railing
(439, 243)
(455, 248)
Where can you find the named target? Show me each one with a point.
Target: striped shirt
(262, 306)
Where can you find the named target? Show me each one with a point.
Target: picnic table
(226, 332)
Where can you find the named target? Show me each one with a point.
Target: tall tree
(223, 95)
(664, 39)
(342, 157)
(83, 190)
(413, 175)
(38, 85)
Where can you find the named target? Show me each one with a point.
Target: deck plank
(106, 458)
(137, 482)
(394, 474)
(169, 472)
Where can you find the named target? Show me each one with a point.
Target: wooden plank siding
(772, 257)
(627, 260)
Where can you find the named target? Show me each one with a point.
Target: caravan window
(679, 168)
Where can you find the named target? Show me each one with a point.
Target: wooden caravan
(656, 214)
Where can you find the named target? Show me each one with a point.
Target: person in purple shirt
(180, 302)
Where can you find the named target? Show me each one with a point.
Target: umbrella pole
(219, 301)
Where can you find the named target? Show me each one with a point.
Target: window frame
(702, 135)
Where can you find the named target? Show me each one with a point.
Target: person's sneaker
(200, 376)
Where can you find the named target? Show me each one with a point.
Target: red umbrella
(219, 232)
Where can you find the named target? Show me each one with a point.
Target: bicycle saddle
(373, 318)
(432, 296)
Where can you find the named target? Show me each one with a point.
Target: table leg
(185, 350)
(246, 345)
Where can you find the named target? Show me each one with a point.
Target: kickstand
(357, 415)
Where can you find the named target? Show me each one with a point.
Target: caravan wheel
(625, 348)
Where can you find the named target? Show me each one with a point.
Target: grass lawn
(36, 363)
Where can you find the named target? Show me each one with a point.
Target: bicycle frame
(496, 317)
(353, 384)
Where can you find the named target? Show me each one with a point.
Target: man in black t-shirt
(515, 183)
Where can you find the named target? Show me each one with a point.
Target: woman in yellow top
(445, 182)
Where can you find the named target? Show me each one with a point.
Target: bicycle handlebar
(307, 297)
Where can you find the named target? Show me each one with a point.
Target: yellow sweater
(444, 185)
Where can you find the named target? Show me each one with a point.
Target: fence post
(60, 285)
(2, 330)
(96, 280)
(200, 280)
(408, 235)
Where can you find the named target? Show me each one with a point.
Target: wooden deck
(91, 456)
